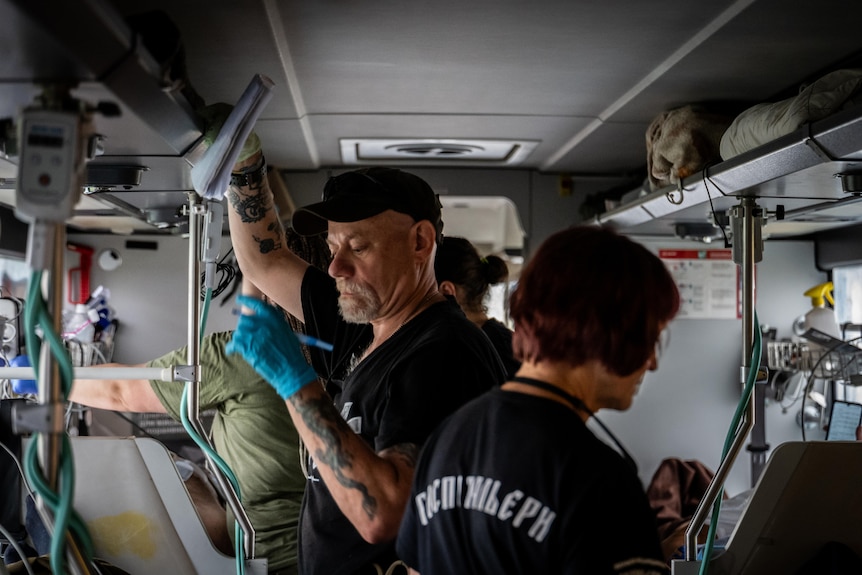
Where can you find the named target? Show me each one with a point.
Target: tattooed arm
(259, 243)
(371, 489)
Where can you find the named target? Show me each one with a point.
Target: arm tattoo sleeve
(321, 417)
(253, 208)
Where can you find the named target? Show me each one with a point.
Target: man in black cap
(404, 356)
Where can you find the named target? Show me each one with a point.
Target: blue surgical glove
(264, 339)
(23, 386)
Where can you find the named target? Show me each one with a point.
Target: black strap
(575, 402)
(578, 405)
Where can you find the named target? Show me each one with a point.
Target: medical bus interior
(726, 135)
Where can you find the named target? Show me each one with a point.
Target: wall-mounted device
(11, 336)
(51, 167)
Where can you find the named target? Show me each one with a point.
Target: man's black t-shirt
(432, 365)
(501, 339)
(514, 483)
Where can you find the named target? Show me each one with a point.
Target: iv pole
(746, 219)
(197, 212)
(53, 137)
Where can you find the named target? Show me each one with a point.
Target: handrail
(708, 499)
(96, 372)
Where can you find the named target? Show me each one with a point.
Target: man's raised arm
(258, 237)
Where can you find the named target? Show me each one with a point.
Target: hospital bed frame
(140, 516)
(807, 497)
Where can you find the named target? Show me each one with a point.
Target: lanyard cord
(578, 405)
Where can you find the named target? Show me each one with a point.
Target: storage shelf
(797, 171)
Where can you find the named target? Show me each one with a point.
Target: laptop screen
(844, 420)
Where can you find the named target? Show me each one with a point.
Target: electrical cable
(6, 387)
(226, 273)
(731, 434)
(706, 179)
(5, 533)
(6, 390)
(60, 504)
(17, 300)
(20, 469)
(785, 406)
(809, 385)
(21, 555)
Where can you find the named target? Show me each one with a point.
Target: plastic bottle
(99, 302)
(81, 324)
(819, 317)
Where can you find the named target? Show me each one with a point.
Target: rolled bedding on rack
(764, 122)
(681, 142)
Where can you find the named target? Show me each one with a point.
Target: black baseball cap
(360, 194)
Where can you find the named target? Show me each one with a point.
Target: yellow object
(129, 532)
(819, 293)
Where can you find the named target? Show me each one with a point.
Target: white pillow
(765, 122)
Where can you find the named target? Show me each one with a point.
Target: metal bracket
(185, 372)
(679, 567)
(738, 215)
(762, 376)
(38, 418)
(818, 149)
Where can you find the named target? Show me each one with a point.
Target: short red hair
(589, 293)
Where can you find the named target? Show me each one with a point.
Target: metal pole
(49, 374)
(748, 267)
(193, 405)
(752, 253)
(746, 248)
(50, 179)
(50, 394)
(194, 309)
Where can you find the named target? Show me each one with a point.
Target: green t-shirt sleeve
(222, 376)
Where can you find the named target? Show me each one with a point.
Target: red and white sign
(708, 283)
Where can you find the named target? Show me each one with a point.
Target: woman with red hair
(515, 481)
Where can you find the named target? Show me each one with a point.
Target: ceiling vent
(435, 151)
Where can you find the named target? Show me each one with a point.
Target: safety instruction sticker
(708, 282)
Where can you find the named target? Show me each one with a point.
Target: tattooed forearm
(251, 208)
(321, 417)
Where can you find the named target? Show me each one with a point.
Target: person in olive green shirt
(251, 431)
